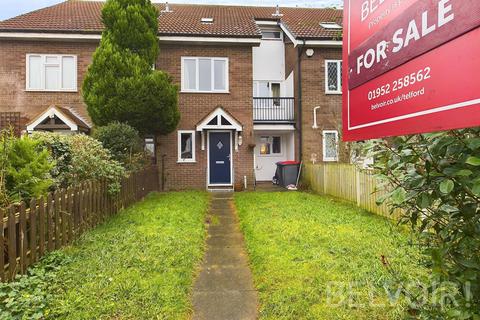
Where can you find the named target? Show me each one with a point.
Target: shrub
(120, 84)
(124, 143)
(435, 179)
(26, 168)
(81, 158)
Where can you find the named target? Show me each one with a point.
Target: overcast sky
(12, 8)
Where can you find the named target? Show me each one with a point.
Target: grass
(317, 258)
(138, 265)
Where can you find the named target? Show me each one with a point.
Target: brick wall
(195, 106)
(329, 117)
(14, 97)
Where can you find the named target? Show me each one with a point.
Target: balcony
(274, 110)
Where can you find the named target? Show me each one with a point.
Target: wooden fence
(347, 182)
(49, 223)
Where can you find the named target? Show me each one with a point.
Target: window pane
(332, 76)
(340, 80)
(331, 145)
(271, 35)
(275, 90)
(205, 70)
(264, 145)
(190, 74)
(220, 75)
(51, 77)
(277, 145)
(35, 72)
(263, 89)
(186, 146)
(68, 73)
(51, 60)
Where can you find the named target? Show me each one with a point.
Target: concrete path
(224, 289)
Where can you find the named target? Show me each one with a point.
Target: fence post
(2, 246)
(23, 237)
(41, 227)
(324, 178)
(12, 243)
(358, 186)
(33, 231)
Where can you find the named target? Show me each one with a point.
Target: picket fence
(29, 231)
(350, 183)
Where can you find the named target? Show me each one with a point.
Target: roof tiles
(77, 16)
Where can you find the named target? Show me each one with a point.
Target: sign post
(410, 66)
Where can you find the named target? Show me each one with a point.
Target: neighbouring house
(258, 85)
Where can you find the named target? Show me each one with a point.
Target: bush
(120, 84)
(81, 158)
(124, 143)
(435, 179)
(25, 167)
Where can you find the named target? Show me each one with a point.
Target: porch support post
(203, 139)
(236, 141)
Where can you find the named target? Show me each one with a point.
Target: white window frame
(197, 90)
(272, 30)
(256, 87)
(179, 146)
(42, 75)
(339, 77)
(324, 146)
(270, 138)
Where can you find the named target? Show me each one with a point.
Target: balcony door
(266, 89)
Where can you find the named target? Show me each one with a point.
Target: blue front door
(220, 158)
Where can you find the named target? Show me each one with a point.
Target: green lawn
(138, 265)
(306, 251)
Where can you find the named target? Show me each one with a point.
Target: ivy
(29, 295)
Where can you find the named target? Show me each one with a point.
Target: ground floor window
(149, 147)
(186, 146)
(270, 145)
(330, 145)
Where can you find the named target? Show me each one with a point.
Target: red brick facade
(193, 106)
(196, 106)
(329, 116)
(14, 97)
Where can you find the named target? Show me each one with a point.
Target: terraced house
(258, 85)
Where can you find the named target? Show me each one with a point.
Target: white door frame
(232, 178)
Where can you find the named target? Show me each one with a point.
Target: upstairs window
(208, 75)
(330, 25)
(51, 72)
(333, 76)
(330, 145)
(271, 35)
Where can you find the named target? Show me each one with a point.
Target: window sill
(41, 90)
(186, 162)
(330, 160)
(206, 92)
(333, 93)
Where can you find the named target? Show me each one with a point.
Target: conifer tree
(120, 84)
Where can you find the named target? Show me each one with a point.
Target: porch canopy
(58, 119)
(219, 119)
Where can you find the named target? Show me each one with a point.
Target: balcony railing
(274, 110)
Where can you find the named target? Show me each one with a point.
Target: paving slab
(224, 289)
(225, 305)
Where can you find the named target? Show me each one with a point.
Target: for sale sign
(410, 66)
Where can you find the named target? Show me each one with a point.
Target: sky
(12, 8)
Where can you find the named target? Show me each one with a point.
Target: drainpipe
(300, 116)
